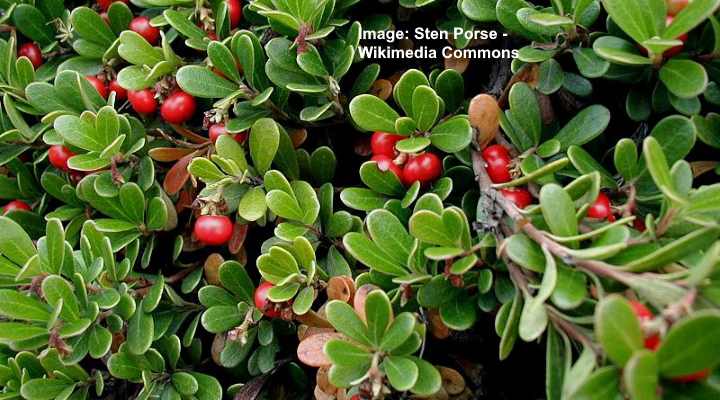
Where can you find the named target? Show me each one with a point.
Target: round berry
(386, 163)
(105, 4)
(675, 6)
(263, 303)
(59, 156)
(98, 85)
(143, 101)
(520, 196)
(601, 208)
(32, 52)
(424, 168)
(213, 230)
(498, 161)
(215, 131)
(141, 25)
(234, 12)
(178, 107)
(120, 92)
(16, 205)
(383, 144)
(643, 313)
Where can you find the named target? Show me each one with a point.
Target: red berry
(120, 92)
(643, 313)
(383, 144)
(263, 303)
(673, 51)
(675, 6)
(498, 161)
(601, 208)
(16, 205)
(520, 196)
(639, 224)
(143, 101)
(178, 107)
(215, 131)
(694, 377)
(213, 230)
(142, 26)
(105, 4)
(234, 12)
(424, 168)
(98, 85)
(386, 163)
(32, 52)
(59, 156)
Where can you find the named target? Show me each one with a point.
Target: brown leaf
(701, 167)
(484, 114)
(381, 88)
(237, 239)
(298, 136)
(218, 344)
(452, 381)
(168, 154)
(177, 175)
(323, 381)
(310, 350)
(190, 135)
(438, 328)
(340, 288)
(212, 268)
(458, 64)
(311, 318)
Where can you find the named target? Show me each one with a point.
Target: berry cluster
(424, 168)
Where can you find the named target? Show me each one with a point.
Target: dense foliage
(210, 199)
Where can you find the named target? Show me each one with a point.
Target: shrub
(212, 199)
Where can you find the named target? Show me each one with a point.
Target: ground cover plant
(221, 199)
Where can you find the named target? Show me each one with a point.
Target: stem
(596, 267)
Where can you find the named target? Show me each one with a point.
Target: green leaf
(428, 381)
(558, 210)
(526, 111)
(399, 331)
(684, 78)
(641, 375)
(15, 305)
(372, 114)
(378, 315)
(401, 371)
(44, 389)
(383, 182)
(33, 24)
(688, 348)
(370, 254)
(277, 264)
(99, 341)
(252, 206)
(426, 107)
(55, 288)
(140, 331)
(390, 235)
(641, 20)
(311, 62)
(90, 26)
(15, 243)
(584, 127)
(618, 329)
(619, 51)
(694, 13)
(588, 63)
(201, 82)
(452, 135)
(603, 384)
(404, 89)
(264, 142)
(342, 316)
